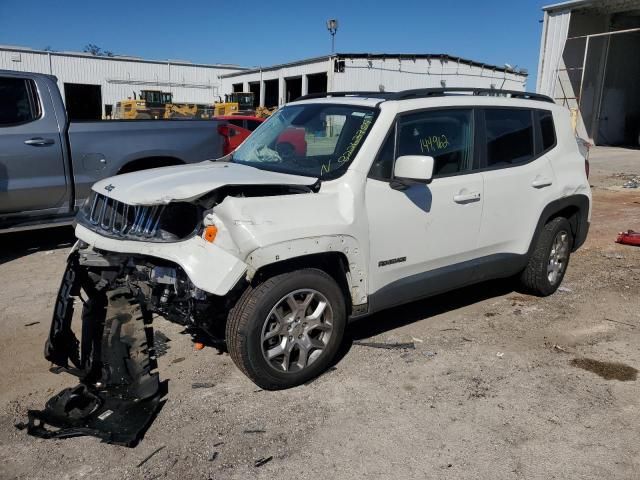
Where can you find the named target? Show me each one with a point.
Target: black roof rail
(370, 94)
(490, 92)
(433, 92)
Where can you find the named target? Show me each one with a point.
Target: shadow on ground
(400, 316)
(21, 244)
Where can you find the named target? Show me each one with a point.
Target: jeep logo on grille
(109, 187)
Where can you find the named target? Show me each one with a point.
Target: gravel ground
(495, 387)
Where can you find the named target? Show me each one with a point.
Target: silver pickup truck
(48, 164)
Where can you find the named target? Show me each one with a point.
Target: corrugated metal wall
(402, 74)
(392, 74)
(119, 78)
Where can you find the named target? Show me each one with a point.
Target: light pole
(332, 26)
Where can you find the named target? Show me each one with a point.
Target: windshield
(315, 140)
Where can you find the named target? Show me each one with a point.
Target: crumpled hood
(186, 182)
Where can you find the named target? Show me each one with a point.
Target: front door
(32, 170)
(423, 238)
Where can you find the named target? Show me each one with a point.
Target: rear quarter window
(509, 133)
(547, 129)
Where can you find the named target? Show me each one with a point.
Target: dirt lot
(491, 389)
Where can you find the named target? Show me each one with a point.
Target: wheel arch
(339, 256)
(575, 208)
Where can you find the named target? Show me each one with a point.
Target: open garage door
(293, 88)
(83, 102)
(317, 83)
(254, 87)
(271, 93)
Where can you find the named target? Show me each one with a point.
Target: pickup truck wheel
(287, 330)
(550, 258)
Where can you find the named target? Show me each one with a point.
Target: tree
(97, 51)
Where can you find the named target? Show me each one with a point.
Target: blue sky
(253, 33)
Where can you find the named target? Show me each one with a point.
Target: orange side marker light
(210, 233)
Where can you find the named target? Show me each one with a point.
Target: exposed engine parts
(119, 392)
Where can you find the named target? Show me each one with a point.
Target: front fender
(344, 244)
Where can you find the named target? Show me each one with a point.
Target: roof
(16, 48)
(377, 56)
(605, 6)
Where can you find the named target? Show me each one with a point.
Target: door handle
(39, 141)
(467, 197)
(541, 182)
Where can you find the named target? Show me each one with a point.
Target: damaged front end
(111, 351)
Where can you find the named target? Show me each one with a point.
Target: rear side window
(445, 135)
(17, 98)
(252, 125)
(237, 123)
(547, 129)
(509, 136)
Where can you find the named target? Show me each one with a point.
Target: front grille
(155, 223)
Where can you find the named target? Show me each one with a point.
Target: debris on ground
(430, 354)
(148, 457)
(261, 461)
(160, 341)
(622, 323)
(629, 238)
(388, 346)
(565, 289)
(633, 182)
(607, 370)
(213, 456)
(257, 430)
(500, 354)
(178, 360)
(203, 385)
(31, 324)
(418, 340)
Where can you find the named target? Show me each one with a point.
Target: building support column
(305, 85)
(282, 91)
(261, 91)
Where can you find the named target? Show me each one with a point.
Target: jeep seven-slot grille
(155, 223)
(112, 217)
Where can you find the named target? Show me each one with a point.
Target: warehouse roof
(15, 48)
(377, 56)
(605, 6)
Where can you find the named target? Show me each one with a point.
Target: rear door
(518, 177)
(32, 169)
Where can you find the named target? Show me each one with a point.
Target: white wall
(393, 74)
(119, 78)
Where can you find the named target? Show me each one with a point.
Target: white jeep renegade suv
(338, 206)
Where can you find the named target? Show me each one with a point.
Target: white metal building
(590, 62)
(89, 83)
(279, 84)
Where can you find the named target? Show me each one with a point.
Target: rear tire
(287, 330)
(550, 258)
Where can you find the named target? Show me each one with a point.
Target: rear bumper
(209, 267)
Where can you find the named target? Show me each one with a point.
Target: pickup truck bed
(48, 164)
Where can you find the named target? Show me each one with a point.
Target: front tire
(287, 330)
(550, 258)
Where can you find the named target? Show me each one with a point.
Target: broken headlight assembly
(170, 222)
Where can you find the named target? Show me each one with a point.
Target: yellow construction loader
(155, 104)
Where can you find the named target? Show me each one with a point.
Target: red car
(291, 142)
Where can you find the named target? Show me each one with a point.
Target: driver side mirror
(413, 168)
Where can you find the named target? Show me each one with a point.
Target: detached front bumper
(209, 267)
